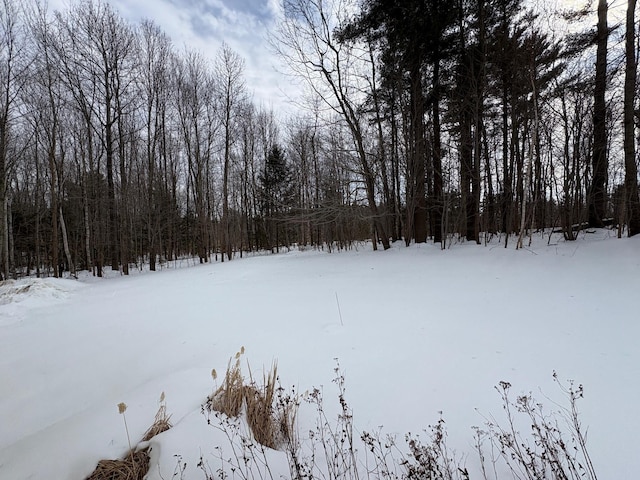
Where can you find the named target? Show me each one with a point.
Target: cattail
(122, 407)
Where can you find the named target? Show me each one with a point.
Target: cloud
(204, 25)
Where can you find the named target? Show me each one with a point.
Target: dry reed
(161, 422)
(228, 397)
(132, 467)
(260, 414)
(270, 426)
(135, 465)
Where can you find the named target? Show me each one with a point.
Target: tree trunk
(65, 243)
(124, 195)
(417, 204)
(111, 192)
(226, 231)
(631, 170)
(437, 159)
(597, 193)
(55, 247)
(4, 222)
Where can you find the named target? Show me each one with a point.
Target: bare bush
(333, 449)
(554, 448)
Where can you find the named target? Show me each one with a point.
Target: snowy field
(417, 331)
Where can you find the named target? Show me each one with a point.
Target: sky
(204, 25)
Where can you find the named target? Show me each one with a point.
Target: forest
(421, 121)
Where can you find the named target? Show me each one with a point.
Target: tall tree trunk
(597, 192)
(469, 149)
(507, 194)
(386, 190)
(437, 158)
(479, 63)
(226, 229)
(395, 167)
(53, 176)
(417, 203)
(532, 148)
(151, 197)
(85, 209)
(112, 229)
(4, 212)
(124, 197)
(631, 169)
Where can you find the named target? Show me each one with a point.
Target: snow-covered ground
(417, 331)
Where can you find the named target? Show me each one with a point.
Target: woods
(423, 121)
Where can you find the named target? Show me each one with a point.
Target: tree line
(423, 120)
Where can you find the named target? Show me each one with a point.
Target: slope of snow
(416, 330)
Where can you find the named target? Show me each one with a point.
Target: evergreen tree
(414, 36)
(597, 191)
(631, 169)
(276, 194)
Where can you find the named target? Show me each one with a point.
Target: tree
(276, 188)
(505, 37)
(14, 61)
(196, 114)
(97, 50)
(597, 191)
(631, 169)
(47, 102)
(231, 91)
(414, 35)
(154, 50)
(467, 83)
(305, 40)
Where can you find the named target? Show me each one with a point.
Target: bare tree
(154, 52)
(46, 98)
(196, 105)
(97, 50)
(229, 71)
(305, 40)
(14, 61)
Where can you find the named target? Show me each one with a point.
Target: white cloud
(204, 25)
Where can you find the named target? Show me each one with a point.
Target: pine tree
(631, 170)
(597, 191)
(276, 193)
(414, 36)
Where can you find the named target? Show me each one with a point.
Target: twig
(339, 311)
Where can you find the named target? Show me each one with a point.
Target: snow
(417, 331)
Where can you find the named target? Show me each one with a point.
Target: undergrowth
(260, 423)
(265, 441)
(134, 465)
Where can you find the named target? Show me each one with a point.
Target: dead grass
(228, 397)
(160, 424)
(260, 414)
(132, 467)
(271, 425)
(135, 465)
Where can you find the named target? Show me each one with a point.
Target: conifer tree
(276, 187)
(597, 191)
(631, 169)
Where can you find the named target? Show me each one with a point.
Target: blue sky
(204, 24)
